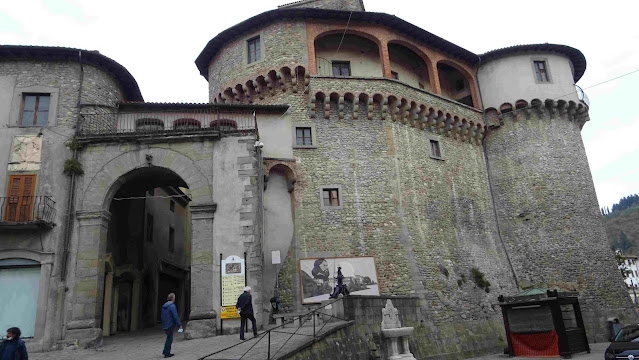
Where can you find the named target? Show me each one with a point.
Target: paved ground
(148, 345)
(596, 353)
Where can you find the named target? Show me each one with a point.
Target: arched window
(408, 66)
(357, 56)
(454, 84)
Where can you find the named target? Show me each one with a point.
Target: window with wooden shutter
(21, 190)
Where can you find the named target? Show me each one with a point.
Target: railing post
(313, 314)
(268, 356)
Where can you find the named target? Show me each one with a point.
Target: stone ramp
(148, 344)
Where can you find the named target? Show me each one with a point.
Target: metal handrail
(267, 333)
(27, 209)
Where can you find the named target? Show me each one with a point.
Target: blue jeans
(168, 342)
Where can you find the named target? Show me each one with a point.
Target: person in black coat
(13, 348)
(245, 308)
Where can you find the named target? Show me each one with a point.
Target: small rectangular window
(303, 136)
(395, 75)
(341, 68)
(35, 109)
(541, 71)
(435, 151)
(171, 239)
(254, 51)
(149, 228)
(331, 197)
(172, 206)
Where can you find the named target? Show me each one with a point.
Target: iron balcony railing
(167, 123)
(27, 209)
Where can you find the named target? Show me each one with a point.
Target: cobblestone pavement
(596, 353)
(148, 344)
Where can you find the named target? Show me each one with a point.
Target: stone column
(87, 290)
(433, 74)
(385, 59)
(135, 301)
(202, 318)
(108, 296)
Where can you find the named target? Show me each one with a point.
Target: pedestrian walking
(170, 321)
(245, 307)
(13, 348)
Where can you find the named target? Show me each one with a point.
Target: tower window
(331, 197)
(435, 150)
(541, 71)
(341, 68)
(254, 50)
(171, 239)
(303, 136)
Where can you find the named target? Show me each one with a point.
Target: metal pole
(268, 356)
(221, 320)
(313, 314)
(245, 270)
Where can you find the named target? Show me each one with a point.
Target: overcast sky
(158, 41)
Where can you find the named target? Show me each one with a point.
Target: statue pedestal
(397, 342)
(335, 309)
(395, 335)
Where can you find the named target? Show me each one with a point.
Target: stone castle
(330, 132)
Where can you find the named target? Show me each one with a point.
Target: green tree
(622, 243)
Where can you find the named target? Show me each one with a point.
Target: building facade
(330, 132)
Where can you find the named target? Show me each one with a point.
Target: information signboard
(233, 280)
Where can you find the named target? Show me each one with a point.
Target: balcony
(156, 123)
(27, 212)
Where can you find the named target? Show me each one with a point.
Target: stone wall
(284, 43)
(548, 213)
(363, 339)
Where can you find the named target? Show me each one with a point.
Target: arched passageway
(148, 244)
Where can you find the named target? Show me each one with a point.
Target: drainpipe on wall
(71, 197)
(490, 183)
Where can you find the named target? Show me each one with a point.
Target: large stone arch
(104, 183)
(88, 253)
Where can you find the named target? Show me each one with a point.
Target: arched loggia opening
(454, 84)
(357, 56)
(148, 248)
(408, 67)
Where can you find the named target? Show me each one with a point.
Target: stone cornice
(203, 211)
(92, 215)
(294, 78)
(549, 108)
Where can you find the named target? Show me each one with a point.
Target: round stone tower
(542, 188)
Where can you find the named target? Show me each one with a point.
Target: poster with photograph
(318, 277)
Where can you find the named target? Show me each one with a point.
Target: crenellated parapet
(549, 108)
(288, 78)
(389, 107)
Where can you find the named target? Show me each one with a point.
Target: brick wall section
(284, 43)
(345, 5)
(549, 216)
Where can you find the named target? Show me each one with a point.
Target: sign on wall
(233, 282)
(318, 277)
(26, 153)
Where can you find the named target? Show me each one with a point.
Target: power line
(150, 197)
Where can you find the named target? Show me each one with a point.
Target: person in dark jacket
(170, 320)
(13, 348)
(245, 308)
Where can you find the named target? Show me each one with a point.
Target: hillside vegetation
(622, 225)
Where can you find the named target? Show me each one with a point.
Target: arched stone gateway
(109, 170)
